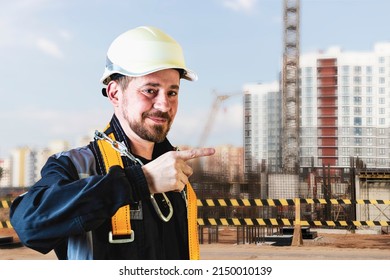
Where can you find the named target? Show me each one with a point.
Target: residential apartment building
(345, 107)
(22, 167)
(262, 127)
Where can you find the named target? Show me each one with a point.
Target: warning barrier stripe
(344, 201)
(264, 202)
(285, 222)
(245, 202)
(5, 224)
(284, 202)
(5, 203)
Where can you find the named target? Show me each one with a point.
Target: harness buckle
(120, 240)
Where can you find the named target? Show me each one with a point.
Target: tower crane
(219, 98)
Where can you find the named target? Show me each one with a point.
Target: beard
(151, 133)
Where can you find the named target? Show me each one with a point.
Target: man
(127, 194)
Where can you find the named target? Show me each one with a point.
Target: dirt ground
(326, 246)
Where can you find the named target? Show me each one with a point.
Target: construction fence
(254, 229)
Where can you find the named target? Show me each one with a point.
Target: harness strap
(120, 222)
(192, 212)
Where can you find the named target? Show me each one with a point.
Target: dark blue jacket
(70, 209)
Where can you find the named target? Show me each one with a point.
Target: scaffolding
(290, 87)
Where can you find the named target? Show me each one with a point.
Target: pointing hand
(170, 171)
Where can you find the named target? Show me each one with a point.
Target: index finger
(195, 153)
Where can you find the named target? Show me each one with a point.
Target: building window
(357, 121)
(357, 100)
(381, 120)
(357, 111)
(357, 90)
(369, 121)
(357, 80)
(357, 70)
(357, 131)
(309, 71)
(358, 151)
(358, 141)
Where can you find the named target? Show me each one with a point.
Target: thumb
(195, 153)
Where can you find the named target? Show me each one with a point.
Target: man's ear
(113, 90)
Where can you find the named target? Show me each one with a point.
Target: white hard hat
(144, 50)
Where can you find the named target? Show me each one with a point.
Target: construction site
(311, 206)
(294, 198)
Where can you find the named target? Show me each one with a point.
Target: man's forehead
(160, 78)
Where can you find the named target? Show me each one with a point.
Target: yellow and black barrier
(284, 202)
(285, 222)
(267, 222)
(5, 224)
(5, 203)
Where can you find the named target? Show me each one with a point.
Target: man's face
(149, 104)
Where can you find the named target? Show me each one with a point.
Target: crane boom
(212, 114)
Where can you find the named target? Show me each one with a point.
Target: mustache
(157, 114)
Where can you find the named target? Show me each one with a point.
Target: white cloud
(15, 33)
(49, 47)
(240, 5)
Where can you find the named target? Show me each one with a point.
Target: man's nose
(162, 102)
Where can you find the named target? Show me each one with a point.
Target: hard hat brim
(187, 73)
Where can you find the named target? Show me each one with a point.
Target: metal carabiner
(158, 210)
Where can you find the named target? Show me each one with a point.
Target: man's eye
(173, 93)
(150, 91)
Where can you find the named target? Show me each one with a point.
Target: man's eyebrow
(157, 85)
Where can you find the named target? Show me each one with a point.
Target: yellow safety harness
(112, 152)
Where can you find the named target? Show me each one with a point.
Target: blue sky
(52, 55)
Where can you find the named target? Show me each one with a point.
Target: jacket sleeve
(61, 204)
